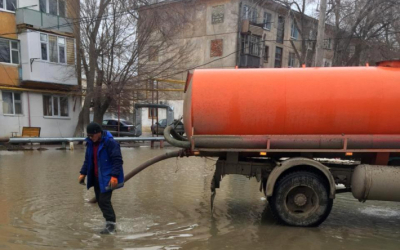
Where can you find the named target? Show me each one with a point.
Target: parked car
(162, 124)
(126, 128)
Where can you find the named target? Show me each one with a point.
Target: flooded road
(167, 206)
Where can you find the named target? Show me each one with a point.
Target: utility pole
(319, 54)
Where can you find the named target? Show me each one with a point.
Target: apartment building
(38, 74)
(232, 33)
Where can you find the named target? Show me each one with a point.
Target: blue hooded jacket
(109, 160)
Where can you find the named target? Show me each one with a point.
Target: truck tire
(301, 199)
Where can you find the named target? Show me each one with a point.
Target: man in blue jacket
(103, 168)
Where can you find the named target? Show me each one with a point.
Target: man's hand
(113, 183)
(82, 179)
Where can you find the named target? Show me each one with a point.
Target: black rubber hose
(174, 142)
(148, 164)
(177, 136)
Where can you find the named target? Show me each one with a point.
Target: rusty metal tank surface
(303, 101)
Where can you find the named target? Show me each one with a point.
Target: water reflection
(167, 207)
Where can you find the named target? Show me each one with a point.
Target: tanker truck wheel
(301, 199)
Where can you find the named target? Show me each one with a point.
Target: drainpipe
(29, 110)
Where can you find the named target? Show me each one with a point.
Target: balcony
(249, 61)
(43, 20)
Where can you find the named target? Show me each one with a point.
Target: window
(294, 32)
(292, 60)
(10, 5)
(266, 53)
(53, 7)
(163, 122)
(43, 45)
(217, 14)
(9, 51)
(216, 48)
(278, 57)
(53, 49)
(53, 53)
(249, 13)
(112, 123)
(12, 103)
(153, 112)
(328, 43)
(61, 49)
(254, 45)
(42, 5)
(267, 20)
(281, 29)
(61, 8)
(70, 51)
(55, 106)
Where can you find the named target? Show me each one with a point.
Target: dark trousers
(104, 202)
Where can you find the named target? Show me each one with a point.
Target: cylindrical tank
(371, 182)
(295, 101)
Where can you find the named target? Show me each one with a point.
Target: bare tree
(124, 43)
(361, 27)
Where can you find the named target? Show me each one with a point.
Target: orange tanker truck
(292, 128)
(299, 132)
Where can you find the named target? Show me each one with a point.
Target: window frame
(10, 49)
(254, 45)
(4, 8)
(267, 22)
(280, 58)
(250, 13)
(292, 60)
(58, 97)
(58, 48)
(266, 53)
(47, 6)
(13, 103)
(280, 32)
(294, 32)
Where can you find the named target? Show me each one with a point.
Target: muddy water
(167, 207)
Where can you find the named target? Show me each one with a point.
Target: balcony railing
(43, 20)
(249, 61)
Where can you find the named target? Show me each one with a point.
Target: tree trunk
(319, 55)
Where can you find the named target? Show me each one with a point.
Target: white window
(9, 51)
(267, 20)
(10, 5)
(12, 103)
(53, 7)
(53, 48)
(294, 33)
(55, 106)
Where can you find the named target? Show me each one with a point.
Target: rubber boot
(109, 228)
